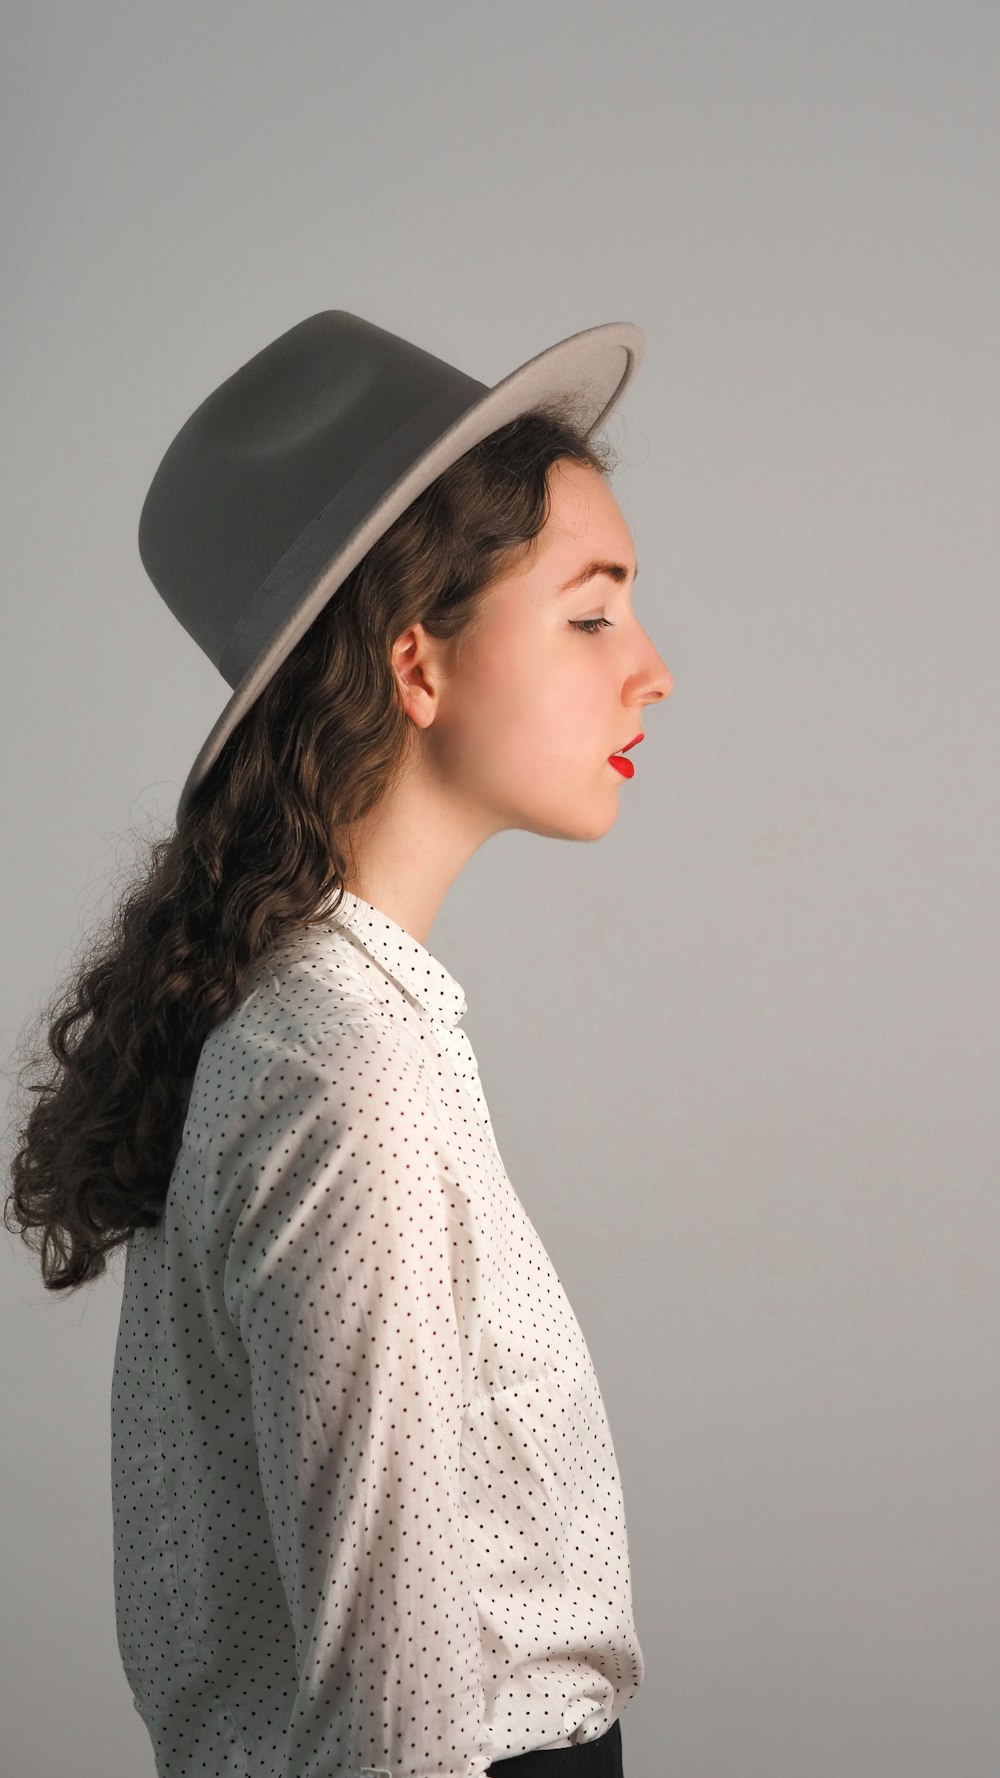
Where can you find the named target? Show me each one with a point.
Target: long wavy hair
(262, 848)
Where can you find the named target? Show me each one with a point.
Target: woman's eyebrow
(614, 570)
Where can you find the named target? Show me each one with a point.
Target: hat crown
(260, 457)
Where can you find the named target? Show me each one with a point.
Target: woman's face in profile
(523, 727)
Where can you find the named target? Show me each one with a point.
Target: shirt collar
(409, 963)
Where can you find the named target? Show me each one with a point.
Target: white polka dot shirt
(368, 1519)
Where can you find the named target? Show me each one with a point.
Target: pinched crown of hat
(283, 477)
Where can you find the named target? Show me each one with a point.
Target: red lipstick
(621, 764)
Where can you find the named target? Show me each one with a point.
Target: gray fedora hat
(284, 477)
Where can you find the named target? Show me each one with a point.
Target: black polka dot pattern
(367, 1513)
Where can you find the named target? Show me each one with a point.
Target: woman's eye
(591, 625)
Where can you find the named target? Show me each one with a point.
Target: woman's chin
(579, 824)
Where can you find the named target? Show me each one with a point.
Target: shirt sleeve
(340, 1281)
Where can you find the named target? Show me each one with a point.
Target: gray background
(740, 1054)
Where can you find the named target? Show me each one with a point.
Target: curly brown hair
(261, 849)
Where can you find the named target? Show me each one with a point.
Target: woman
(367, 1513)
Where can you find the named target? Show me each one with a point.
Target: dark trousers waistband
(585, 1759)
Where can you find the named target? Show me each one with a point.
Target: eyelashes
(591, 625)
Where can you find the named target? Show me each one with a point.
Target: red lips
(625, 766)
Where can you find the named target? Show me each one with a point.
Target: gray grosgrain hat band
(285, 475)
